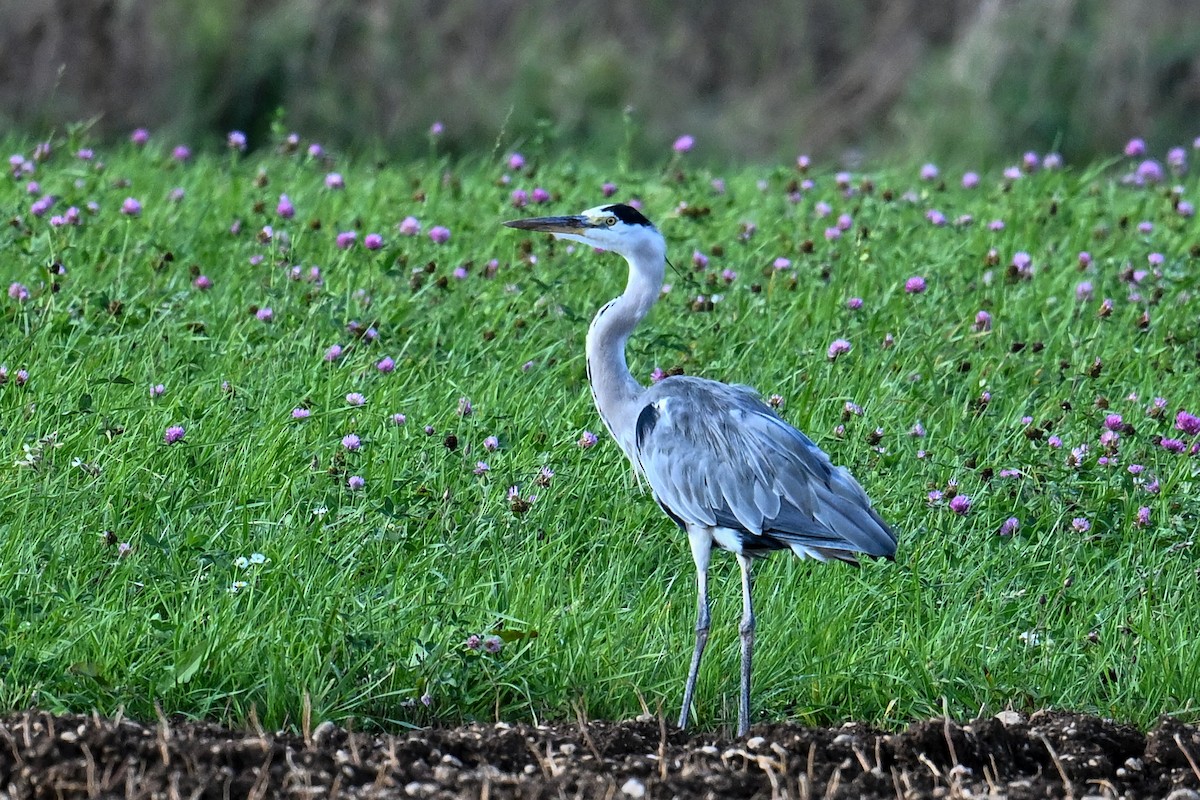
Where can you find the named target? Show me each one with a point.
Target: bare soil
(1051, 754)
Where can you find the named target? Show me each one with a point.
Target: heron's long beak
(551, 224)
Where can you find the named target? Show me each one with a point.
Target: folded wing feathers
(718, 455)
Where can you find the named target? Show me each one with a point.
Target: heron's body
(720, 462)
(719, 458)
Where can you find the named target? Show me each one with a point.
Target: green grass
(367, 597)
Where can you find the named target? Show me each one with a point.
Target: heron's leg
(746, 629)
(701, 542)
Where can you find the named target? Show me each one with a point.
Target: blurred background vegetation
(961, 81)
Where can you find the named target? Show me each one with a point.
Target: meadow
(287, 434)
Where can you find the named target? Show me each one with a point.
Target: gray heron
(720, 462)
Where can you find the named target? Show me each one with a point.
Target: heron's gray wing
(716, 455)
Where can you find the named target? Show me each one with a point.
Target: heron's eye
(610, 221)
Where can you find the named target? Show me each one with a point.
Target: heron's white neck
(614, 389)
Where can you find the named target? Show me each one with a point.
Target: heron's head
(617, 227)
